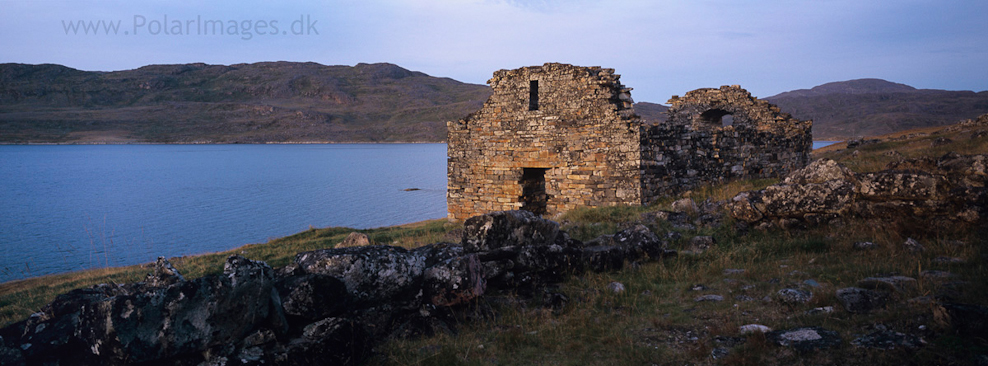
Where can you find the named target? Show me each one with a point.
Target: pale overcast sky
(660, 48)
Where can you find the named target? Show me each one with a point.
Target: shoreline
(410, 225)
(261, 143)
(220, 143)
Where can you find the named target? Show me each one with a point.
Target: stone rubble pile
(328, 307)
(950, 188)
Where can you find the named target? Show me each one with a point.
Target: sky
(660, 48)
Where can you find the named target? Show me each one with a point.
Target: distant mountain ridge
(868, 107)
(858, 86)
(243, 103)
(309, 102)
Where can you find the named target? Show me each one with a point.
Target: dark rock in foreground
(329, 307)
(887, 339)
(859, 300)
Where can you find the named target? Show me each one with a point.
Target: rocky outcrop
(950, 188)
(328, 307)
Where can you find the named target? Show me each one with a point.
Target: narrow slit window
(533, 95)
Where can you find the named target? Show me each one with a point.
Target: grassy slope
(657, 320)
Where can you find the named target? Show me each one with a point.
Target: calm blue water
(65, 208)
(819, 144)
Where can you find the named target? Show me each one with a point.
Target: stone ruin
(555, 137)
(715, 135)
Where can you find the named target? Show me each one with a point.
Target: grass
(657, 320)
(874, 157)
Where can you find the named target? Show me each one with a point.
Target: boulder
(913, 245)
(699, 244)
(111, 325)
(355, 239)
(791, 296)
(972, 168)
(636, 241)
(753, 328)
(950, 189)
(615, 287)
(859, 300)
(968, 319)
(372, 274)
(507, 228)
(805, 339)
(455, 281)
(684, 205)
(830, 197)
(603, 258)
(820, 171)
(864, 245)
(746, 206)
(705, 298)
(893, 283)
(312, 297)
(163, 274)
(331, 341)
(906, 186)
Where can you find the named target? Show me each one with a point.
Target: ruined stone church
(556, 137)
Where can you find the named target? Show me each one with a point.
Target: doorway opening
(533, 196)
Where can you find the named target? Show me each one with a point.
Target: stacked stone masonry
(555, 137)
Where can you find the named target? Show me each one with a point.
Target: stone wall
(579, 136)
(696, 145)
(556, 137)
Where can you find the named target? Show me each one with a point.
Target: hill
(243, 103)
(855, 108)
(309, 102)
(652, 113)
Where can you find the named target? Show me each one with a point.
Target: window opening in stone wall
(717, 118)
(727, 120)
(533, 196)
(533, 95)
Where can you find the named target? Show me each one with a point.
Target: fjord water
(66, 208)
